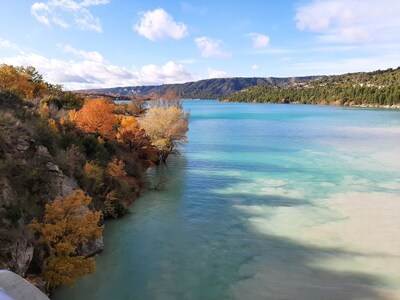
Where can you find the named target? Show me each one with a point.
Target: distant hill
(202, 89)
(375, 89)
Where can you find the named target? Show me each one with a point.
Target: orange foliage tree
(67, 224)
(132, 134)
(96, 116)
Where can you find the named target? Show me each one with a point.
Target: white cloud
(159, 25)
(351, 20)
(216, 74)
(259, 40)
(168, 73)
(92, 71)
(65, 13)
(210, 47)
(255, 67)
(88, 55)
(39, 11)
(345, 65)
(10, 45)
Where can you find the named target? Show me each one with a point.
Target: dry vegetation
(66, 163)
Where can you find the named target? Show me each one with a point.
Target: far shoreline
(394, 106)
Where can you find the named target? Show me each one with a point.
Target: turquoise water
(264, 202)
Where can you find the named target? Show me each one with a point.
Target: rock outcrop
(17, 248)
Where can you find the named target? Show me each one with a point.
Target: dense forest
(66, 164)
(378, 88)
(202, 89)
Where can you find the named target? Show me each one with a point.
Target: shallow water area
(264, 202)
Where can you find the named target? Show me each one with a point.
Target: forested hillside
(378, 88)
(203, 89)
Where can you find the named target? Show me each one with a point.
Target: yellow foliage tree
(72, 115)
(44, 111)
(25, 81)
(93, 176)
(67, 224)
(52, 125)
(93, 171)
(116, 168)
(166, 124)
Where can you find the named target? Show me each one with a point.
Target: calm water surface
(264, 202)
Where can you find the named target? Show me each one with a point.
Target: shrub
(92, 177)
(112, 207)
(13, 212)
(70, 161)
(46, 137)
(10, 99)
(93, 149)
(64, 99)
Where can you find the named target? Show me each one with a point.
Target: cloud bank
(91, 70)
(351, 21)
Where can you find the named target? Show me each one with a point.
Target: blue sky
(105, 43)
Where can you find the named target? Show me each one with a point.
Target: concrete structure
(14, 287)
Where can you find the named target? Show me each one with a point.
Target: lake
(265, 201)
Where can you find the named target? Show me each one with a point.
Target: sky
(106, 43)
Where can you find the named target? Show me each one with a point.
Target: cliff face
(24, 156)
(29, 179)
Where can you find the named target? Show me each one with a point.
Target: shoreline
(394, 106)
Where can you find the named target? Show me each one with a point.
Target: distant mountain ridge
(379, 88)
(202, 89)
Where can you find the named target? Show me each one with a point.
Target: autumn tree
(166, 124)
(108, 207)
(67, 224)
(44, 111)
(92, 177)
(134, 108)
(25, 81)
(96, 116)
(73, 116)
(132, 134)
(116, 168)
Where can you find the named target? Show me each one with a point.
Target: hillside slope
(202, 89)
(378, 88)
